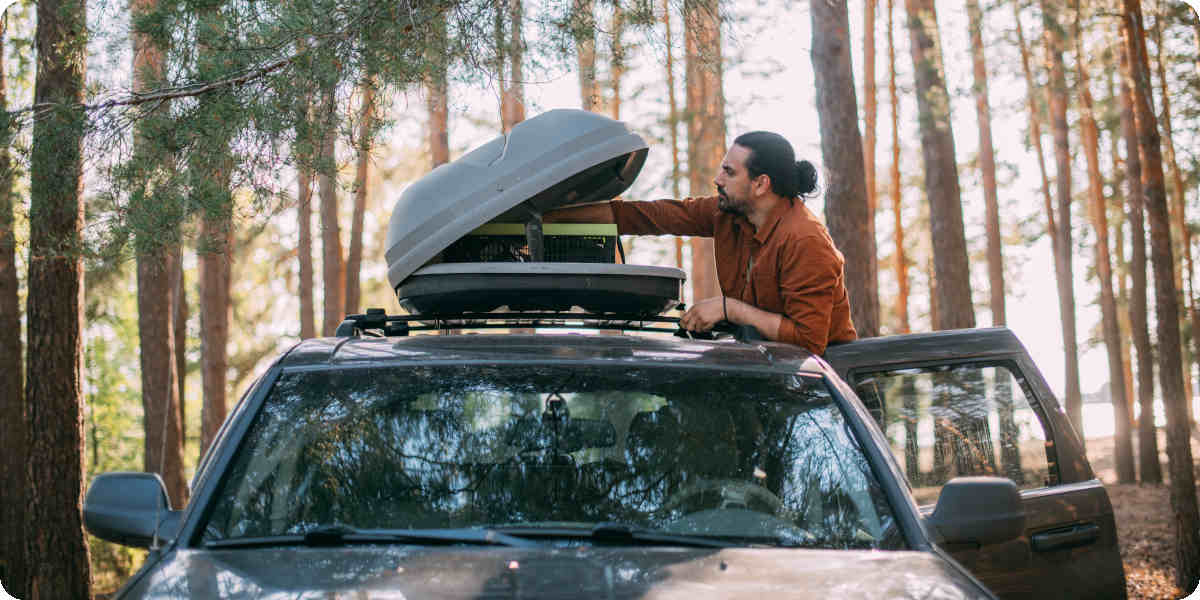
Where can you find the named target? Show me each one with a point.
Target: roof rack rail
(377, 322)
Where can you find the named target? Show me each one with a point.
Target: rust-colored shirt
(789, 266)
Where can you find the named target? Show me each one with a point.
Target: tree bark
(1116, 207)
(179, 318)
(584, 23)
(1170, 368)
(216, 257)
(1056, 95)
(12, 401)
(987, 166)
(156, 256)
(617, 57)
(1148, 464)
(56, 551)
(870, 117)
(847, 210)
(1035, 126)
(354, 260)
(511, 52)
(1184, 274)
(955, 309)
(333, 267)
(901, 260)
(1123, 453)
(706, 125)
(437, 100)
(308, 324)
(673, 121)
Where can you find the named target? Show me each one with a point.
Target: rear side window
(958, 420)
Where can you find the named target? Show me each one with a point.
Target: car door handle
(1067, 537)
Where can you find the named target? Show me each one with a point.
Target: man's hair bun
(806, 177)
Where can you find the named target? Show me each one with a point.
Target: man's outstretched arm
(599, 212)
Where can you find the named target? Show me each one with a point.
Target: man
(777, 266)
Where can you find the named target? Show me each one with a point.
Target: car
(564, 438)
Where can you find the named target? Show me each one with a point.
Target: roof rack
(376, 322)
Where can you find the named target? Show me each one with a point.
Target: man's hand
(704, 314)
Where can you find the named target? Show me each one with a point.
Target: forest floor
(1143, 514)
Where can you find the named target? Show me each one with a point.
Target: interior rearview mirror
(131, 509)
(980, 510)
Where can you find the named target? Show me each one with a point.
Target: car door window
(948, 421)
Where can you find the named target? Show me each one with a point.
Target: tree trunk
(706, 125)
(617, 56)
(162, 418)
(437, 100)
(1148, 464)
(673, 121)
(179, 318)
(333, 267)
(12, 401)
(847, 212)
(510, 55)
(870, 118)
(1116, 208)
(354, 260)
(1063, 270)
(584, 23)
(1035, 127)
(954, 307)
(901, 261)
(215, 265)
(1166, 309)
(308, 324)
(1108, 305)
(56, 551)
(987, 166)
(1184, 279)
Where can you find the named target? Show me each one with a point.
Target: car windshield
(744, 457)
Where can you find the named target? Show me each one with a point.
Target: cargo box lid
(558, 158)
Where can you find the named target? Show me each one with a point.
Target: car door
(972, 403)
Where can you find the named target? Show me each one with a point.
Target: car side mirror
(131, 509)
(979, 510)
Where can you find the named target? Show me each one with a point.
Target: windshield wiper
(615, 534)
(340, 535)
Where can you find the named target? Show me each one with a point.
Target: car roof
(918, 347)
(661, 350)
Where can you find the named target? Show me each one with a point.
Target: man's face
(733, 182)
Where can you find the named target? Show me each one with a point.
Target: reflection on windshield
(747, 457)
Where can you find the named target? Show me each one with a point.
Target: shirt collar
(773, 219)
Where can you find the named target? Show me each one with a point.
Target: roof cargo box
(468, 237)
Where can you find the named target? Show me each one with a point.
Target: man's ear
(761, 184)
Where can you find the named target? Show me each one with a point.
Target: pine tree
(705, 107)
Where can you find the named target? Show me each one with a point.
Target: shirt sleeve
(691, 216)
(809, 272)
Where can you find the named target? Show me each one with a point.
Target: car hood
(379, 572)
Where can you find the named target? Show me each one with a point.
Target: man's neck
(762, 209)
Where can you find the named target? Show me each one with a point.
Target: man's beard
(728, 205)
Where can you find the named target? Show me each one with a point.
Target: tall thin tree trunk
(1108, 306)
(673, 120)
(987, 166)
(901, 260)
(12, 401)
(308, 324)
(1035, 126)
(437, 99)
(617, 58)
(333, 267)
(1184, 508)
(1148, 464)
(954, 307)
(216, 258)
(1063, 269)
(584, 23)
(1116, 207)
(56, 551)
(847, 210)
(354, 259)
(179, 318)
(1184, 279)
(706, 125)
(510, 56)
(162, 418)
(870, 118)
